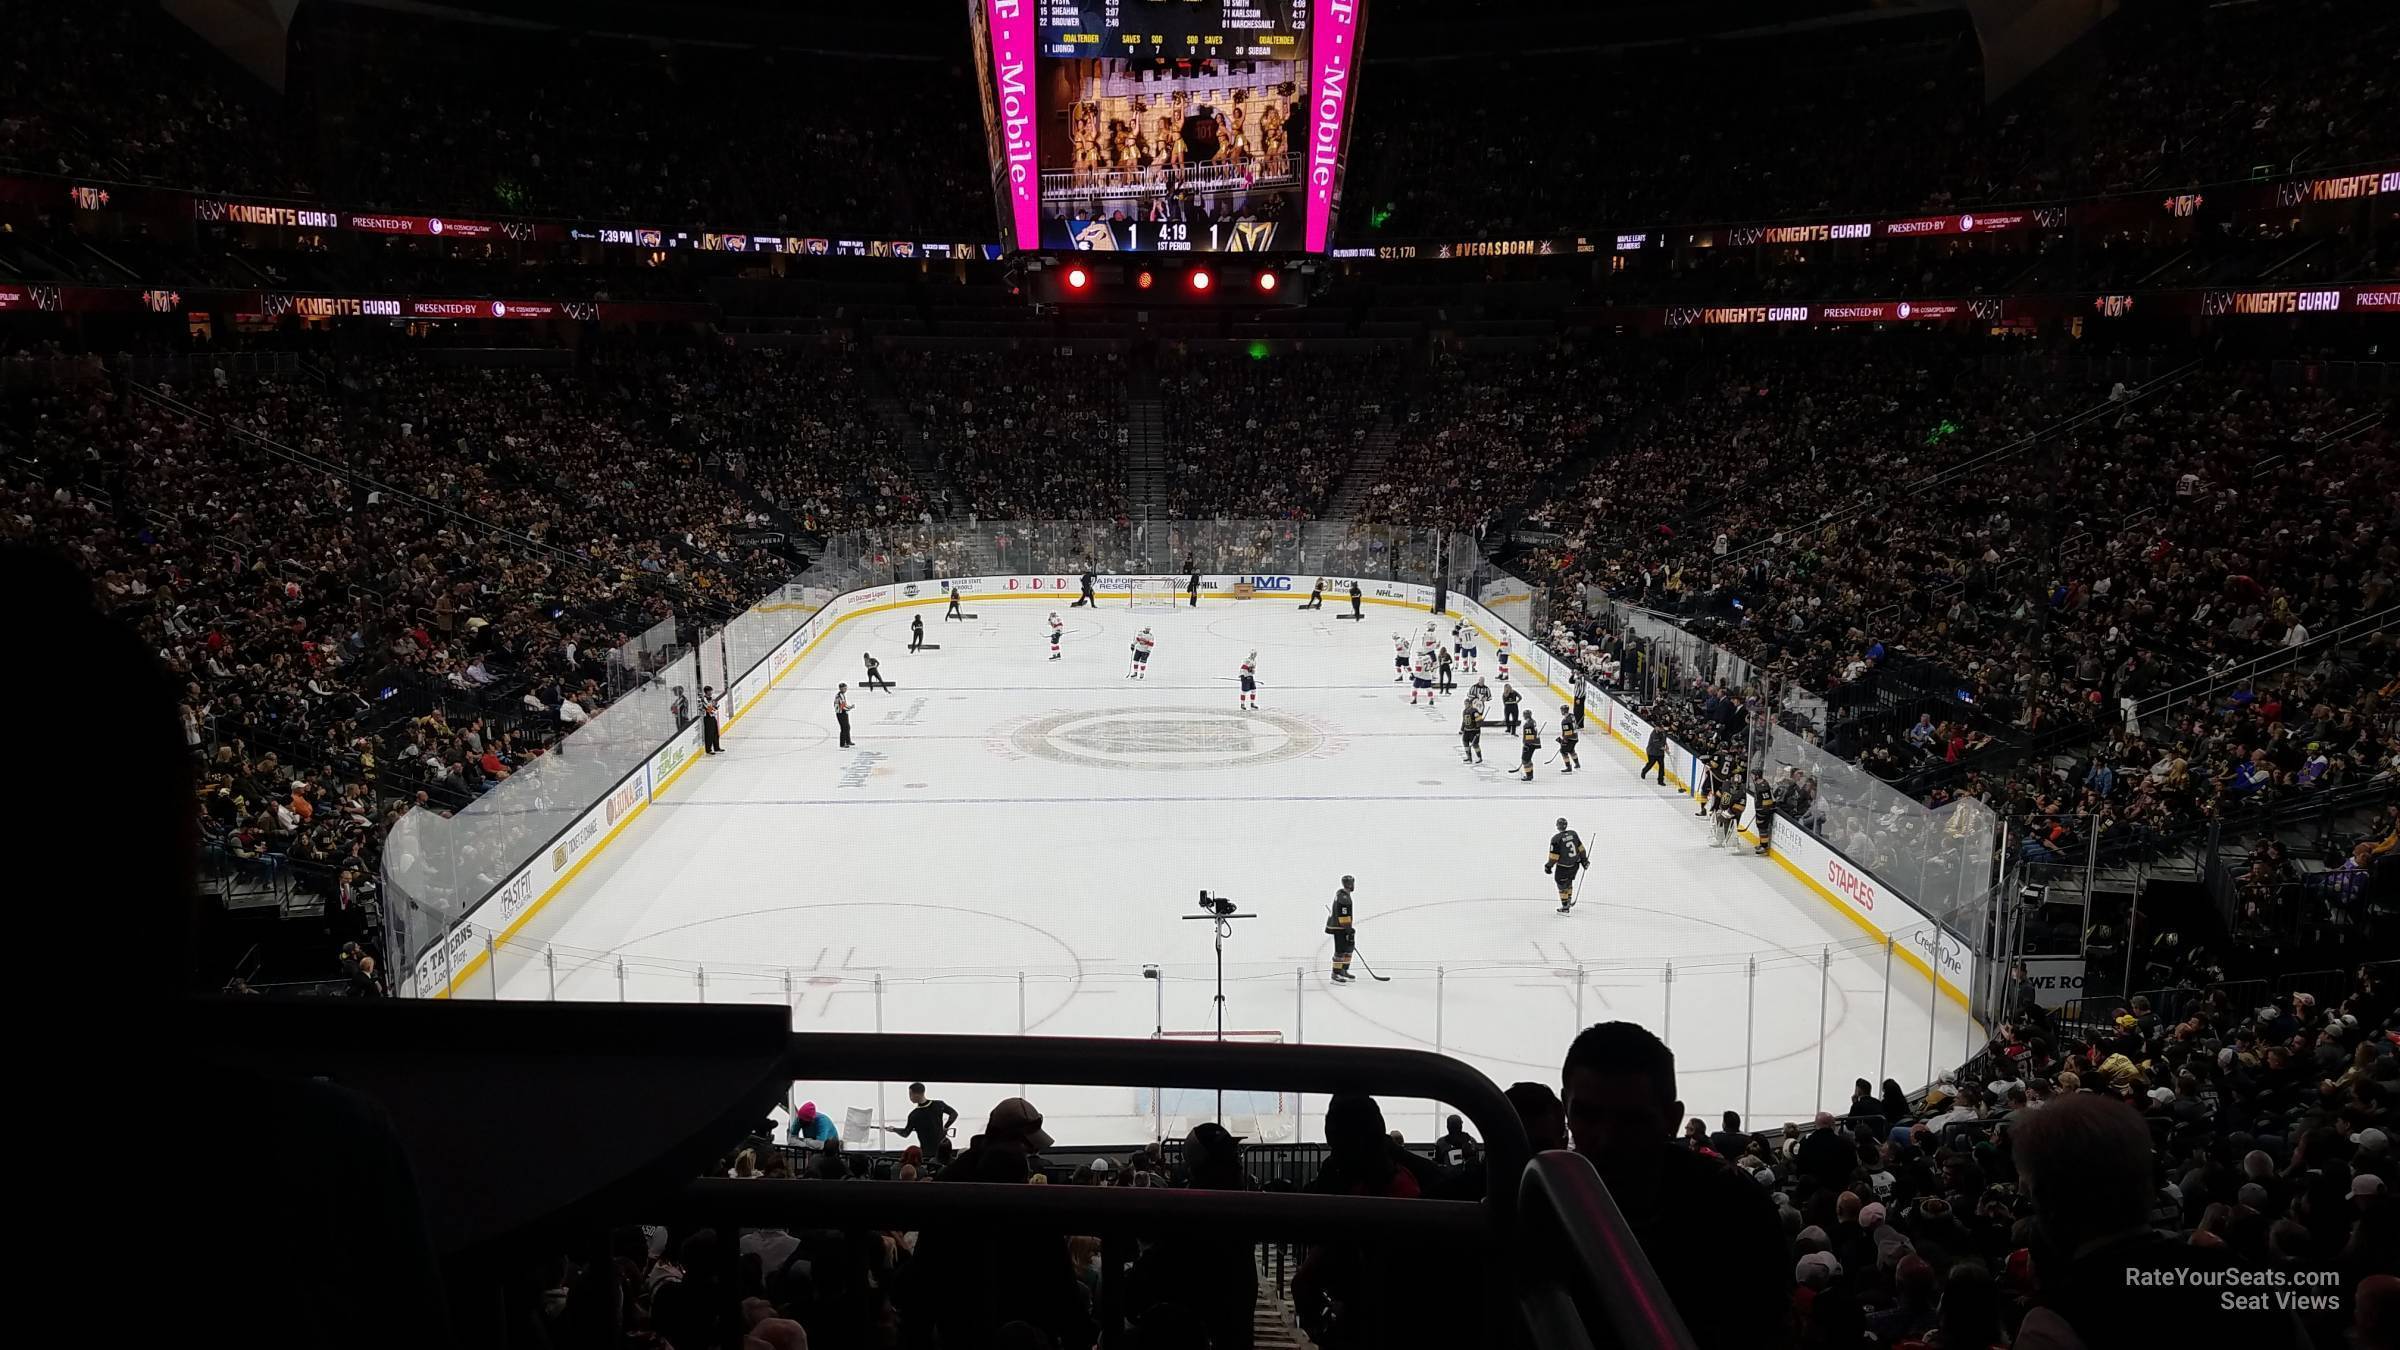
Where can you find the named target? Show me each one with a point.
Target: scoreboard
(1181, 126)
(1173, 29)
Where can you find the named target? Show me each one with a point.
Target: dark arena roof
(657, 611)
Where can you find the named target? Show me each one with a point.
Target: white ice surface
(996, 889)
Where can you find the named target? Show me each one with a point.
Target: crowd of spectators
(1035, 435)
(1481, 433)
(116, 91)
(794, 423)
(394, 589)
(1887, 116)
(2075, 1184)
(1266, 437)
(2065, 590)
(1887, 119)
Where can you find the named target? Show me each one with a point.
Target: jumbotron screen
(1175, 126)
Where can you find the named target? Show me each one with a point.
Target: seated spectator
(1709, 1231)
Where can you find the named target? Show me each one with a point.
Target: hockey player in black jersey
(1531, 739)
(1566, 861)
(1470, 731)
(1343, 926)
(1568, 734)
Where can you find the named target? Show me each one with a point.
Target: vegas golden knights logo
(1251, 236)
(1094, 236)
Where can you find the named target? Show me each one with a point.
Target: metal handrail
(1565, 1206)
(1561, 1191)
(2282, 658)
(1871, 500)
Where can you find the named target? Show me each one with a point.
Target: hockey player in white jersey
(1143, 644)
(1421, 679)
(1250, 681)
(1399, 657)
(1058, 629)
(1503, 653)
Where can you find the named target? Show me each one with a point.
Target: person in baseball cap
(1016, 1124)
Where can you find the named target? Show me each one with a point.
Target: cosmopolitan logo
(1850, 885)
(344, 307)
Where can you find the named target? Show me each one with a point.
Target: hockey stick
(1362, 961)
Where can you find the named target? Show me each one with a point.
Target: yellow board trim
(943, 598)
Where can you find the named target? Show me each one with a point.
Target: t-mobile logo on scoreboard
(1013, 47)
(1332, 48)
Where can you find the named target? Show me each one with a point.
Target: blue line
(1085, 801)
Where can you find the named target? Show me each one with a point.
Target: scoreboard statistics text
(1168, 125)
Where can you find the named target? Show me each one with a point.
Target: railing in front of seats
(1519, 1288)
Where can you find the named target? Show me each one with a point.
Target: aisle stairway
(1146, 484)
(1350, 496)
(1274, 1323)
(919, 455)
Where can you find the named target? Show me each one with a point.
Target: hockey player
(1568, 734)
(1508, 707)
(953, 612)
(1250, 681)
(1399, 658)
(1503, 653)
(1466, 646)
(1316, 595)
(1444, 683)
(1342, 925)
(1058, 630)
(1728, 811)
(1470, 730)
(1531, 739)
(1421, 680)
(1566, 861)
(1142, 644)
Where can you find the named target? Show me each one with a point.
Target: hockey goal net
(1263, 1117)
(1153, 592)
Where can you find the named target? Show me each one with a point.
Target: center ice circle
(1152, 738)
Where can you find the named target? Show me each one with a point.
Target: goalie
(1565, 863)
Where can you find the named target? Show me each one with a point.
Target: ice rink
(1013, 839)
